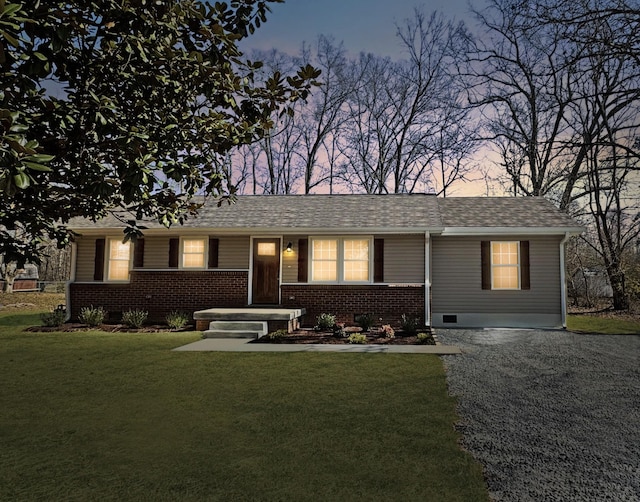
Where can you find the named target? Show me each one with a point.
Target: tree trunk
(616, 278)
(10, 272)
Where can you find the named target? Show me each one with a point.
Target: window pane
(356, 249)
(266, 248)
(118, 270)
(193, 261)
(504, 253)
(356, 271)
(325, 249)
(505, 277)
(324, 271)
(119, 253)
(119, 250)
(193, 253)
(193, 246)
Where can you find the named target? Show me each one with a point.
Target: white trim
(427, 279)
(563, 280)
(473, 231)
(72, 279)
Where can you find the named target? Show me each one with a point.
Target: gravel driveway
(551, 415)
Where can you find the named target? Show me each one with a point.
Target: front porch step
(236, 329)
(258, 321)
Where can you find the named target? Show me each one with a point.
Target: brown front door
(266, 271)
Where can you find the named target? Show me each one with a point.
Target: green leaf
(10, 39)
(40, 157)
(37, 167)
(21, 180)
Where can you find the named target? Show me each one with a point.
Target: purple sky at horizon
(363, 25)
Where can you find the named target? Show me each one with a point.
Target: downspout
(72, 278)
(563, 280)
(427, 279)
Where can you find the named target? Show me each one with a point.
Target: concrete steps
(236, 329)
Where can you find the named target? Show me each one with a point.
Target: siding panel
(403, 258)
(457, 278)
(85, 258)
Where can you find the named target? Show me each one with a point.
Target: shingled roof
(400, 212)
(487, 212)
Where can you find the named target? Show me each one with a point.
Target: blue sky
(363, 25)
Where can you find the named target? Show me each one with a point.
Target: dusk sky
(363, 25)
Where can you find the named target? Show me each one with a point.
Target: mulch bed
(109, 328)
(327, 337)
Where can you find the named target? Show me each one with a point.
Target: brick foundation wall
(386, 302)
(160, 292)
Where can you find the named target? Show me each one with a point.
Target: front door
(266, 272)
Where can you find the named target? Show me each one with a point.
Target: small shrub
(135, 318)
(325, 322)
(177, 320)
(93, 316)
(338, 330)
(277, 335)
(365, 321)
(425, 339)
(387, 331)
(55, 318)
(409, 324)
(357, 338)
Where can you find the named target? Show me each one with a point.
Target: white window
(194, 253)
(340, 260)
(324, 260)
(119, 260)
(505, 265)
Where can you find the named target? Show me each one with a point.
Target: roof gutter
(471, 231)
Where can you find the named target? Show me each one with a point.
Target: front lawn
(115, 416)
(603, 325)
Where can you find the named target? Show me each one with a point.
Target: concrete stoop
(236, 329)
(250, 322)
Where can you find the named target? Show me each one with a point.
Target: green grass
(606, 326)
(98, 416)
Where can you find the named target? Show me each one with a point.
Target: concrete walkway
(243, 345)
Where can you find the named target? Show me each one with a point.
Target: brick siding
(160, 292)
(386, 302)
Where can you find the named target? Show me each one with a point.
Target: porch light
(289, 248)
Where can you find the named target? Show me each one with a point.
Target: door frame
(251, 247)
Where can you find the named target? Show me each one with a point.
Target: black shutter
(174, 251)
(378, 260)
(214, 245)
(98, 266)
(525, 273)
(303, 256)
(138, 254)
(485, 255)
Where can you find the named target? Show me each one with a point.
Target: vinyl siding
(290, 260)
(457, 278)
(403, 258)
(234, 252)
(85, 258)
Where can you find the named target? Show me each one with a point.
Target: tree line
(551, 89)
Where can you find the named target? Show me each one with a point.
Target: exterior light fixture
(289, 247)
